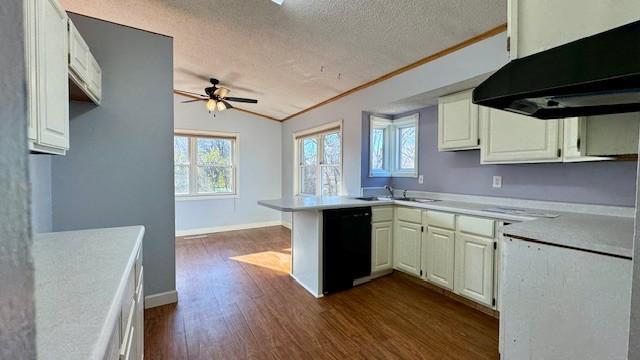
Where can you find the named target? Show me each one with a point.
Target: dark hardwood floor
(237, 301)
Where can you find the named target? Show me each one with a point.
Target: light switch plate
(497, 182)
(420, 179)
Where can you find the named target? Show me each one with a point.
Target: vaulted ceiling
(294, 56)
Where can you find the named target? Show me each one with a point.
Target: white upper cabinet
(84, 70)
(78, 55)
(575, 143)
(457, 122)
(514, 138)
(538, 25)
(95, 79)
(55, 52)
(614, 134)
(406, 247)
(47, 77)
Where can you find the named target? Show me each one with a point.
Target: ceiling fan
(216, 97)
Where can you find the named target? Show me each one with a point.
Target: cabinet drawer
(127, 329)
(381, 213)
(126, 352)
(127, 300)
(409, 215)
(441, 220)
(477, 226)
(139, 283)
(138, 266)
(113, 347)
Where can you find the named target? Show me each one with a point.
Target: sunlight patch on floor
(272, 260)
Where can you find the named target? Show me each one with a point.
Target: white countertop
(305, 203)
(612, 235)
(609, 235)
(79, 280)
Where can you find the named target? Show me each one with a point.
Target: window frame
(193, 136)
(392, 145)
(377, 122)
(318, 133)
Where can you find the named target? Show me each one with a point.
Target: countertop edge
(611, 251)
(105, 335)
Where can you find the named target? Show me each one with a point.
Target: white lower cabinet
(440, 256)
(382, 246)
(406, 247)
(474, 267)
(455, 252)
(127, 338)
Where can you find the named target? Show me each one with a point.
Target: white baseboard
(200, 231)
(160, 299)
(287, 224)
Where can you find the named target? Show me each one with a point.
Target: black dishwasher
(346, 248)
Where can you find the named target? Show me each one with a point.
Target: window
(393, 147)
(205, 164)
(319, 156)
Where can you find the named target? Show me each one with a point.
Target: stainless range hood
(596, 75)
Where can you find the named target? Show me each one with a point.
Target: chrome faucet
(389, 189)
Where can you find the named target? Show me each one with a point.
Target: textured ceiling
(275, 53)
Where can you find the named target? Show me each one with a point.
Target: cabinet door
(613, 134)
(533, 24)
(474, 268)
(79, 56)
(30, 35)
(381, 250)
(406, 249)
(440, 252)
(514, 138)
(575, 141)
(95, 79)
(457, 122)
(53, 82)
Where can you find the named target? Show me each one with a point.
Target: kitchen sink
(419, 200)
(367, 198)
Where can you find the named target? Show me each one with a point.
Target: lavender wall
(607, 182)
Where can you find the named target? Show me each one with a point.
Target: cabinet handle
(578, 144)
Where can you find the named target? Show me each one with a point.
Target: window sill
(404, 175)
(205, 197)
(379, 174)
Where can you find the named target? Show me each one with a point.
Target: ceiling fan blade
(191, 93)
(228, 106)
(243, 100)
(194, 100)
(222, 92)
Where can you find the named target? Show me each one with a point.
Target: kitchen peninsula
(452, 237)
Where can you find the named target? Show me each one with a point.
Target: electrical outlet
(497, 182)
(420, 179)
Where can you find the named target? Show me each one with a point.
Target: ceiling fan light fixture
(221, 92)
(211, 105)
(221, 106)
